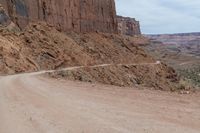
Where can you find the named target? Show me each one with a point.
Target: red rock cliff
(128, 26)
(76, 15)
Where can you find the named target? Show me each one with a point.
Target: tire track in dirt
(34, 104)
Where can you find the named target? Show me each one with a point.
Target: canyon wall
(128, 26)
(65, 15)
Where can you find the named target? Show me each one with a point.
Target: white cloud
(163, 16)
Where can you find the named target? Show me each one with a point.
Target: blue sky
(163, 16)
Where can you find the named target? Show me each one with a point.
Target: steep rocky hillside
(41, 47)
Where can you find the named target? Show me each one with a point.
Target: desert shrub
(192, 75)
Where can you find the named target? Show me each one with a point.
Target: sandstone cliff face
(76, 15)
(128, 26)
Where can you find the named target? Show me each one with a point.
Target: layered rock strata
(65, 15)
(128, 26)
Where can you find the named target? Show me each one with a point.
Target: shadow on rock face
(4, 19)
(21, 8)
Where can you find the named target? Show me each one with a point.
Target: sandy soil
(35, 104)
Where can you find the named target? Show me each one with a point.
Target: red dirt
(37, 104)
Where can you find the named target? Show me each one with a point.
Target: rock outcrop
(76, 15)
(128, 26)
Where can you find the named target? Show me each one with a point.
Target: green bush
(192, 75)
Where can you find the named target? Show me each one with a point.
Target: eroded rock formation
(128, 26)
(76, 15)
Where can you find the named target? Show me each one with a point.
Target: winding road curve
(31, 103)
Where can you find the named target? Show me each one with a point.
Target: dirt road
(30, 103)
